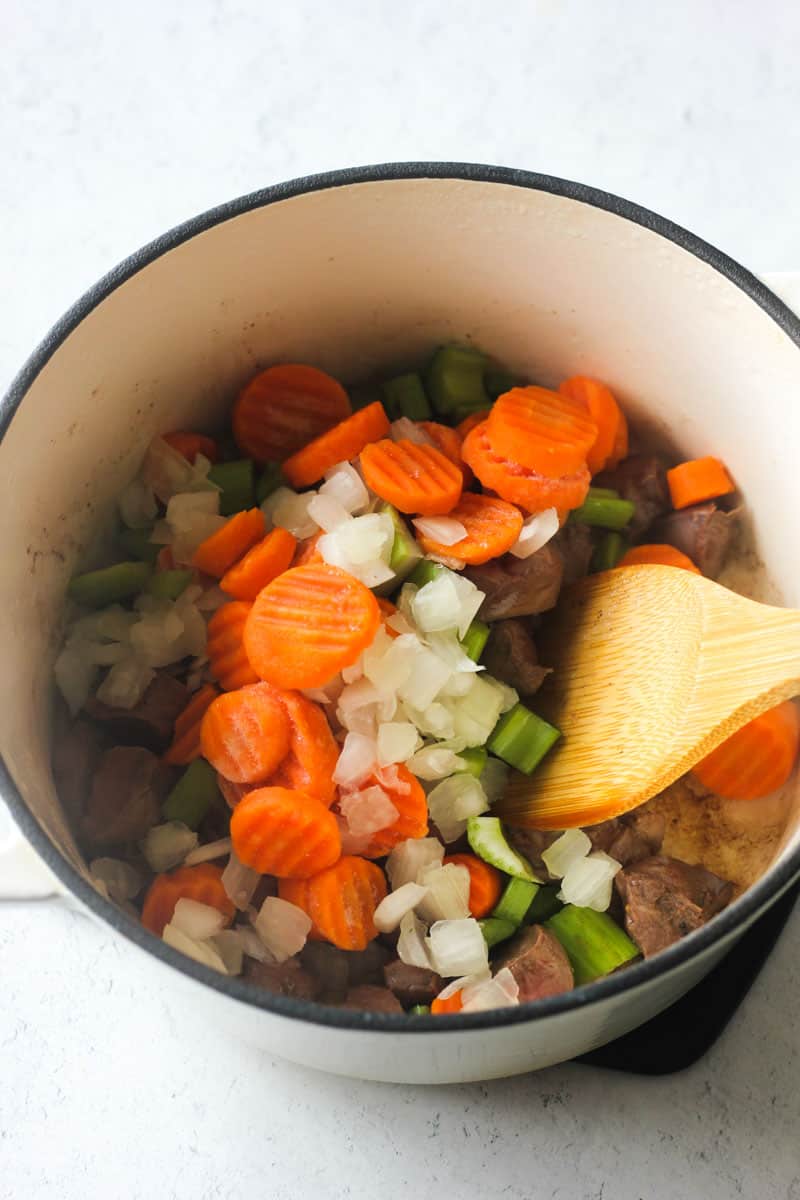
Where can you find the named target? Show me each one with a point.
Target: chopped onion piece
(192, 517)
(409, 859)
(458, 947)
(476, 713)
(282, 927)
(447, 647)
(137, 504)
(405, 430)
(211, 599)
(196, 920)
(399, 624)
(75, 674)
(470, 598)
(229, 945)
(202, 952)
(367, 812)
(208, 853)
(344, 484)
(412, 944)
(397, 741)
(388, 662)
(253, 945)
(454, 800)
(500, 992)
(509, 696)
(362, 540)
(389, 777)
(125, 683)
(566, 850)
(435, 606)
(166, 845)
(328, 512)
(458, 985)
(357, 760)
(434, 762)
(448, 892)
(588, 881)
(446, 560)
(444, 530)
(121, 881)
(394, 907)
(494, 779)
(427, 676)
(167, 472)
(239, 882)
(290, 510)
(536, 532)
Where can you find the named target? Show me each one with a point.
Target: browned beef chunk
(530, 843)
(412, 985)
(631, 837)
(703, 532)
(369, 998)
(643, 480)
(128, 788)
(574, 543)
(76, 753)
(150, 722)
(329, 967)
(287, 979)
(665, 899)
(537, 960)
(510, 655)
(366, 966)
(518, 587)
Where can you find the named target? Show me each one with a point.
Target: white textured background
(119, 121)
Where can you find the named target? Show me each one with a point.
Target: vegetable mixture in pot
(299, 686)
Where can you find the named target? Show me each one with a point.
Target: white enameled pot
(363, 271)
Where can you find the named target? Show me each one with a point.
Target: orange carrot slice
(185, 746)
(449, 442)
(267, 559)
(227, 659)
(408, 797)
(308, 552)
(340, 901)
(658, 554)
(245, 734)
(542, 430)
(757, 759)
(415, 479)
(192, 444)
(345, 441)
(220, 551)
(529, 489)
(283, 408)
(485, 883)
(308, 624)
(450, 1004)
(285, 833)
(313, 750)
(468, 424)
(202, 883)
(611, 443)
(698, 480)
(492, 526)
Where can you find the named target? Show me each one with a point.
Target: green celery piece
(475, 639)
(595, 945)
(522, 739)
(168, 585)
(404, 396)
(136, 542)
(601, 493)
(545, 904)
(475, 760)
(363, 394)
(517, 897)
(425, 572)
(497, 382)
(454, 381)
(109, 585)
(495, 929)
(270, 479)
(405, 553)
(608, 551)
(604, 512)
(419, 1010)
(236, 481)
(193, 794)
(485, 836)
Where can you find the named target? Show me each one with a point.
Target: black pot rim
(733, 919)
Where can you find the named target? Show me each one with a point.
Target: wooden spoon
(653, 668)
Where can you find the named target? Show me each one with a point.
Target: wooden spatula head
(652, 668)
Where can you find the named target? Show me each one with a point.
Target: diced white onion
(509, 696)
(388, 662)
(328, 512)
(75, 674)
(500, 992)
(454, 800)
(282, 927)
(239, 882)
(434, 763)
(290, 510)
(412, 944)
(470, 598)
(434, 721)
(389, 777)
(361, 546)
(196, 920)
(448, 648)
(137, 504)
(167, 472)
(447, 560)
(458, 985)
(435, 606)
(394, 907)
(357, 761)
(126, 683)
(122, 881)
(166, 845)
(191, 518)
(344, 484)
(405, 430)
(536, 532)
(202, 952)
(397, 741)
(408, 860)
(494, 779)
(458, 947)
(572, 846)
(428, 675)
(399, 623)
(448, 892)
(252, 944)
(208, 853)
(476, 713)
(588, 881)
(444, 530)
(228, 944)
(367, 812)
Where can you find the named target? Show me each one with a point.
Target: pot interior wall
(365, 278)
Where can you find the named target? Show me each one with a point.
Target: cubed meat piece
(538, 962)
(76, 753)
(704, 533)
(128, 789)
(665, 899)
(329, 967)
(369, 998)
(366, 966)
(518, 587)
(510, 655)
(574, 543)
(629, 838)
(530, 843)
(150, 722)
(412, 985)
(286, 979)
(642, 479)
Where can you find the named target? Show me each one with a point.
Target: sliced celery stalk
(517, 897)
(419, 1010)
(595, 944)
(475, 759)
(404, 396)
(495, 930)
(608, 551)
(168, 585)
(601, 493)
(604, 511)
(486, 837)
(405, 554)
(522, 739)
(545, 904)
(454, 381)
(193, 794)
(425, 572)
(236, 481)
(475, 639)
(136, 542)
(109, 585)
